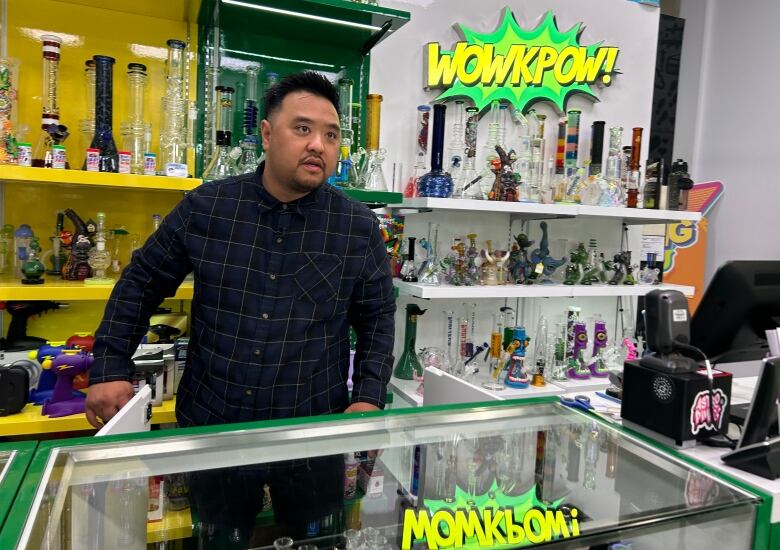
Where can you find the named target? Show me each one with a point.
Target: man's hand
(104, 401)
(361, 408)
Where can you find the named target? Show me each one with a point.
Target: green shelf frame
(374, 198)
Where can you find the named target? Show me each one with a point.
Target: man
(283, 265)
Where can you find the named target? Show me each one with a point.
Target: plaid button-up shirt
(276, 288)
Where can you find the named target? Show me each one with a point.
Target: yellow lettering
(565, 74)
(575, 525)
(556, 523)
(445, 517)
(497, 71)
(514, 531)
(492, 526)
(682, 233)
(547, 57)
(466, 75)
(590, 66)
(441, 68)
(542, 532)
(417, 525)
(521, 69)
(469, 525)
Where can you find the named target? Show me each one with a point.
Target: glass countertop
(557, 475)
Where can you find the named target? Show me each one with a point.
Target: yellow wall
(87, 29)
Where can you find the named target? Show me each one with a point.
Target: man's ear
(265, 133)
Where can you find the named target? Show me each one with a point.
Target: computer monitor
(741, 302)
(762, 414)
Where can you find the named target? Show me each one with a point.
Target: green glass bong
(408, 364)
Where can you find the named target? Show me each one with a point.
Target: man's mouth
(313, 165)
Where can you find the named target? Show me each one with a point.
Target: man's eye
(332, 135)
(302, 129)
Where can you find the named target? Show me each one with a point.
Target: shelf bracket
(376, 37)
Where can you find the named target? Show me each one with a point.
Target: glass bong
(457, 138)
(222, 165)
(372, 177)
(346, 172)
(103, 140)
(430, 272)
(421, 150)
(437, 182)
(99, 257)
(136, 133)
(87, 124)
(53, 133)
(173, 132)
(248, 160)
(468, 182)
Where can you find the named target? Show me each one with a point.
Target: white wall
(397, 73)
(735, 139)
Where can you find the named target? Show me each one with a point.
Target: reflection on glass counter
(497, 476)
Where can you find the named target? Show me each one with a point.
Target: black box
(675, 405)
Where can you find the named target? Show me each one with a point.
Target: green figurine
(576, 267)
(33, 269)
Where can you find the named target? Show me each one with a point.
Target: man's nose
(316, 143)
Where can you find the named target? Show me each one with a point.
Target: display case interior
(550, 474)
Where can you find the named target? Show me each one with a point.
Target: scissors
(581, 402)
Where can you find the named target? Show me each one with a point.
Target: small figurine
(506, 182)
(577, 367)
(623, 269)
(33, 269)
(576, 268)
(488, 270)
(502, 257)
(541, 262)
(76, 268)
(518, 259)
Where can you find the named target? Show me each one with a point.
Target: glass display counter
(14, 460)
(497, 475)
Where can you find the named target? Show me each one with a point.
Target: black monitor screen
(762, 415)
(740, 304)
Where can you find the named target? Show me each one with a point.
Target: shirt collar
(268, 202)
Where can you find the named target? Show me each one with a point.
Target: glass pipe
(430, 271)
(560, 151)
(598, 365)
(471, 316)
(284, 543)
(9, 76)
(559, 356)
(540, 353)
(634, 176)
(649, 274)
(173, 131)
(53, 133)
(135, 131)
(517, 374)
(655, 171)
(408, 365)
(496, 363)
(578, 369)
(468, 182)
(535, 171)
(99, 256)
(408, 269)
(248, 160)
(346, 172)
(596, 147)
(614, 195)
(456, 147)
(489, 153)
(212, 72)
(437, 182)
(449, 341)
(87, 124)
(472, 253)
(373, 177)
(420, 148)
(572, 141)
(463, 346)
(489, 270)
(222, 165)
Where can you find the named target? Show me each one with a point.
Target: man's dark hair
(306, 81)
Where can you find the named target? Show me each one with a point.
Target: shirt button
(284, 206)
(249, 392)
(272, 276)
(264, 316)
(279, 240)
(257, 353)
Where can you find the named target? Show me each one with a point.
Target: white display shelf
(531, 291)
(638, 216)
(406, 390)
(591, 384)
(631, 216)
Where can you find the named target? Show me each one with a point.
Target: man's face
(301, 141)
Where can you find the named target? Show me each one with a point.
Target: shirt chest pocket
(318, 278)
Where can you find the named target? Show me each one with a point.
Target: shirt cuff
(370, 391)
(111, 370)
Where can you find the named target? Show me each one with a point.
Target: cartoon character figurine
(517, 374)
(577, 367)
(506, 182)
(541, 262)
(598, 366)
